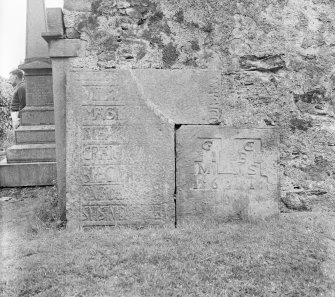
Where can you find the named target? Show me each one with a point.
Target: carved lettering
(252, 170)
(102, 92)
(108, 133)
(239, 166)
(101, 174)
(112, 214)
(102, 113)
(214, 109)
(104, 213)
(101, 153)
(202, 168)
(249, 146)
(101, 193)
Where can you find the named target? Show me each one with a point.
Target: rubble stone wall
(276, 57)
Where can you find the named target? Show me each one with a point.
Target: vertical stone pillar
(60, 51)
(36, 47)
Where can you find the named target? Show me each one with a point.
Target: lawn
(273, 258)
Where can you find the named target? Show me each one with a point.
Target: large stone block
(27, 174)
(55, 20)
(23, 153)
(78, 5)
(184, 96)
(37, 115)
(35, 134)
(36, 47)
(120, 141)
(39, 90)
(226, 173)
(120, 153)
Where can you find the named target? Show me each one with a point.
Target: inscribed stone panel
(226, 172)
(120, 154)
(39, 90)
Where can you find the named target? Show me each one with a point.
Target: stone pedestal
(32, 161)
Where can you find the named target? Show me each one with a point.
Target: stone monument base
(27, 174)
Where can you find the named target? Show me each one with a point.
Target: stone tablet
(120, 167)
(120, 160)
(39, 90)
(225, 173)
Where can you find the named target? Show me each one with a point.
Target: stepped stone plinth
(32, 160)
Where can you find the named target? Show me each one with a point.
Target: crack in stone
(152, 106)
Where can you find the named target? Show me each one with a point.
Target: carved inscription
(102, 193)
(109, 113)
(96, 214)
(103, 174)
(227, 172)
(230, 165)
(102, 135)
(39, 90)
(103, 118)
(102, 91)
(101, 154)
(112, 133)
(214, 109)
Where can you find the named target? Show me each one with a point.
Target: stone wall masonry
(275, 58)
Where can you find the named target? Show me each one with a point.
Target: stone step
(24, 153)
(37, 115)
(27, 174)
(35, 134)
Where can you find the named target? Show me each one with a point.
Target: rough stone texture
(120, 154)
(35, 134)
(225, 173)
(276, 60)
(37, 115)
(64, 48)
(25, 153)
(39, 90)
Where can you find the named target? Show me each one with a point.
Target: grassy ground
(274, 258)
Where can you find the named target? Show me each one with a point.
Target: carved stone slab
(184, 96)
(120, 166)
(39, 90)
(120, 160)
(225, 173)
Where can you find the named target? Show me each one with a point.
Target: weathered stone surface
(276, 59)
(25, 153)
(36, 47)
(37, 115)
(55, 20)
(35, 134)
(226, 173)
(183, 96)
(65, 48)
(77, 5)
(27, 174)
(39, 90)
(120, 154)
(59, 71)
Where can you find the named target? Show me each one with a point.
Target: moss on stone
(170, 55)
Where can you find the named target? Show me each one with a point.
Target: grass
(274, 258)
